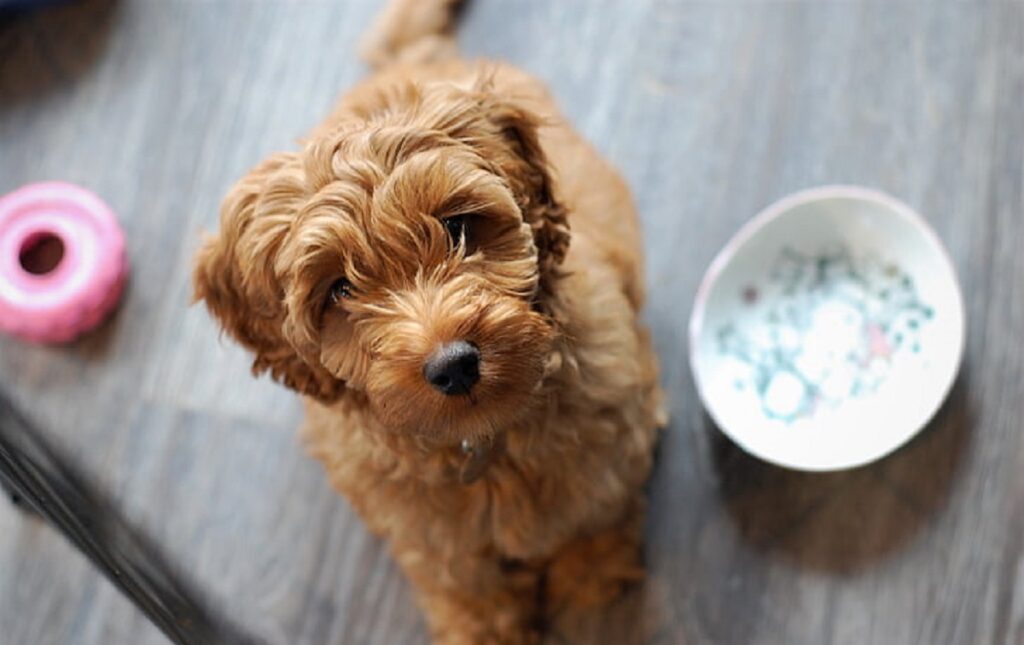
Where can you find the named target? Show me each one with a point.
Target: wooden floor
(712, 110)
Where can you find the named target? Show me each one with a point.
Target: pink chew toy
(62, 262)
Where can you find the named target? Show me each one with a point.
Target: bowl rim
(748, 231)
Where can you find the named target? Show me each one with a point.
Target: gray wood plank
(711, 110)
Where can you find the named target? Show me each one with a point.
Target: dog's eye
(458, 229)
(339, 290)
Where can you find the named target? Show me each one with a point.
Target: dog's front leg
(593, 569)
(471, 599)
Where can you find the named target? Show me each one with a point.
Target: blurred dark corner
(49, 47)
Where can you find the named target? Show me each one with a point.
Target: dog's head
(406, 257)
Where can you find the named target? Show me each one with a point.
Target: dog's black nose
(454, 368)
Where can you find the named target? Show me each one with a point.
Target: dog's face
(404, 256)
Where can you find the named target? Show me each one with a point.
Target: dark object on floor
(29, 4)
(14, 8)
(38, 479)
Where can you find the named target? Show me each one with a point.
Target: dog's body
(520, 494)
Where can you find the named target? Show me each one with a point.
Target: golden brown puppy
(452, 278)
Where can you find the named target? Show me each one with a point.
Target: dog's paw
(480, 634)
(594, 571)
(501, 618)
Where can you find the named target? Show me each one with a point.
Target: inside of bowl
(831, 334)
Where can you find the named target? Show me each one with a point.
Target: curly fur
(568, 403)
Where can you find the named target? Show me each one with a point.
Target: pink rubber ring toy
(62, 262)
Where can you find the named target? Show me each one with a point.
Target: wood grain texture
(711, 109)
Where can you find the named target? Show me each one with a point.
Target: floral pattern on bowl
(823, 328)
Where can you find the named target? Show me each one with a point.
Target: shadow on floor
(97, 343)
(848, 521)
(43, 49)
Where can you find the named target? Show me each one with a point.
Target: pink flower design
(878, 344)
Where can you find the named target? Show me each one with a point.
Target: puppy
(451, 277)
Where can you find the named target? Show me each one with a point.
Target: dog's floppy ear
(505, 131)
(532, 182)
(234, 274)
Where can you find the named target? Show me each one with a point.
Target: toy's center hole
(41, 253)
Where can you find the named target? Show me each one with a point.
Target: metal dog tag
(478, 458)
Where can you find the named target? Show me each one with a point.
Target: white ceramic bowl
(829, 330)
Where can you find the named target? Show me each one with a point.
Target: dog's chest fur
(583, 454)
